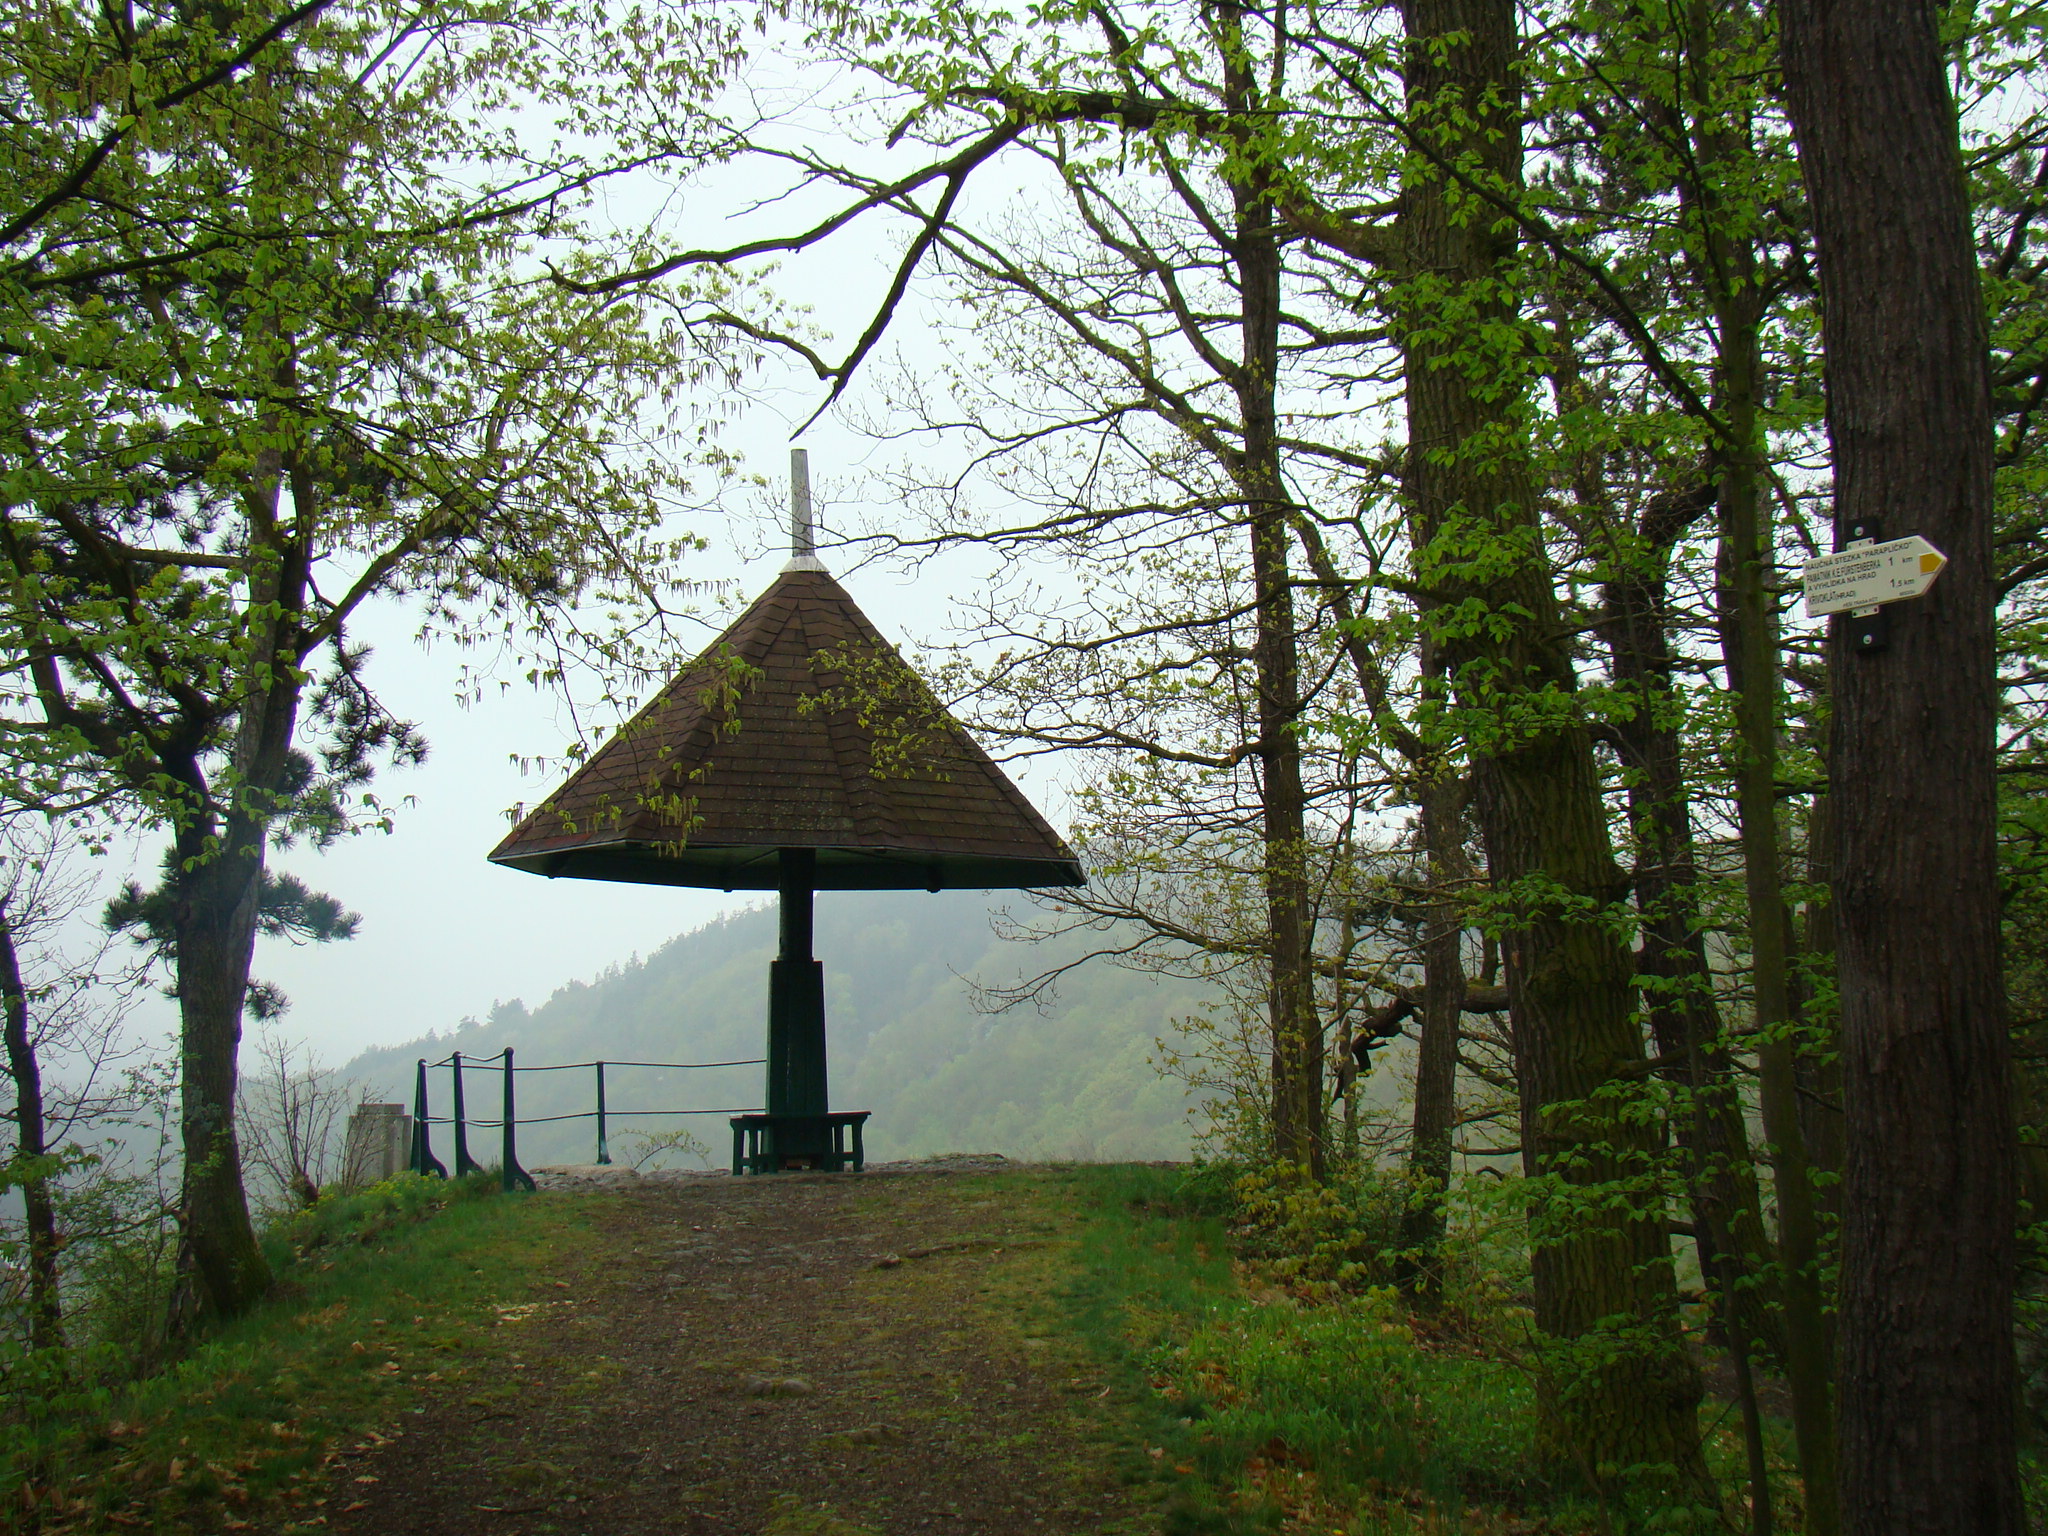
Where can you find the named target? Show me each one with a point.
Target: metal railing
(423, 1160)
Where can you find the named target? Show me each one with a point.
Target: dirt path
(803, 1355)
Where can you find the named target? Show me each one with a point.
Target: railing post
(604, 1151)
(464, 1163)
(423, 1160)
(514, 1176)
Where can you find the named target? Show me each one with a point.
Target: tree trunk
(1297, 1061)
(1343, 1008)
(216, 933)
(218, 887)
(1618, 1393)
(1820, 1074)
(1749, 649)
(1442, 798)
(1927, 1379)
(1297, 1058)
(1727, 1204)
(39, 1213)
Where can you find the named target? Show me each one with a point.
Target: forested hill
(1072, 1079)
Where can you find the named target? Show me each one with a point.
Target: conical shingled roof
(800, 727)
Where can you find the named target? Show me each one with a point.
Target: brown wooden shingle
(799, 727)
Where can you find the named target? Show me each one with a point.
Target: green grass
(376, 1292)
(1258, 1412)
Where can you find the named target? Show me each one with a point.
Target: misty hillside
(905, 1041)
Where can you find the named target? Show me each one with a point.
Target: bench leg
(859, 1162)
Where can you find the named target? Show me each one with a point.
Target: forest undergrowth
(1287, 1388)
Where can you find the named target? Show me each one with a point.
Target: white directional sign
(1871, 574)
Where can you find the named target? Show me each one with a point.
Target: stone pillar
(379, 1144)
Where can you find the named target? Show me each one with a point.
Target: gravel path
(801, 1355)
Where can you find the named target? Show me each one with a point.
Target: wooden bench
(780, 1143)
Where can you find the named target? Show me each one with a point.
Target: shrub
(1318, 1240)
(360, 1215)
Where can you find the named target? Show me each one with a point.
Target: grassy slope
(378, 1293)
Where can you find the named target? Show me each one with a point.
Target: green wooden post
(510, 1173)
(604, 1151)
(796, 1017)
(423, 1160)
(464, 1163)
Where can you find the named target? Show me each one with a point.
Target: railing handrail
(565, 1066)
(591, 1114)
(424, 1161)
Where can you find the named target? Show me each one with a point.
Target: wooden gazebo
(797, 753)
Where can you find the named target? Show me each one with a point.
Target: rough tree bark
(1441, 795)
(1299, 1117)
(217, 889)
(216, 924)
(1727, 1204)
(1749, 649)
(1926, 1371)
(39, 1213)
(1620, 1395)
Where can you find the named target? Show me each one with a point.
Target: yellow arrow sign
(1871, 575)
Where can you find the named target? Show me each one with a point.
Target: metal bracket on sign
(1865, 631)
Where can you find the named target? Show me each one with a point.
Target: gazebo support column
(796, 1023)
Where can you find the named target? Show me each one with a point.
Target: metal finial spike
(803, 539)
